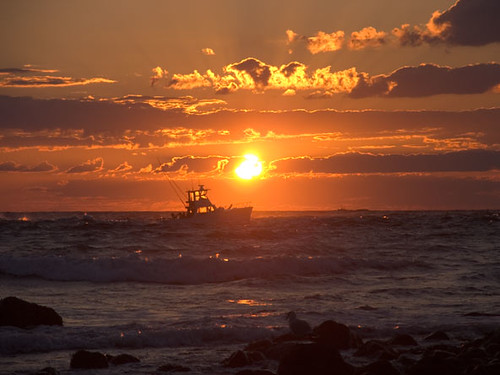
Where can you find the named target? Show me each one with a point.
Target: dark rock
(491, 368)
(88, 360)
(314, 359)
(289, 337)
(47, 371)
(121, 359)
(435, 363)
(261, 345)
(237, 359)
(437, 336)
(19, 313)
(403, 340)
(254, 372)
(375, 348)
(278, 350)
(169, 367)
(256, 356)
(382, 367)
(334, 334)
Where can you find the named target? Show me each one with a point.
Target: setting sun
(249, 168)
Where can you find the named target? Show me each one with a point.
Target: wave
(188, 270)
(46, 339)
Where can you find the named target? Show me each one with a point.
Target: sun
(249, 168)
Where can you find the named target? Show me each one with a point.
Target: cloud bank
(461, 161)
(420, 81)
(465, 23)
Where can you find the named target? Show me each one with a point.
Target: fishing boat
(200, 209)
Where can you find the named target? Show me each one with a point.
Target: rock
(237, 359)
(437, 363)
(260, 346)
(375, 348)
(19, 313)
(88, 360)
(173, 368)
(47, 371)
(403, 340)
(334, 334)
(299, 327)
(437, 336)
(254, 372)
(314, 359)
(381, 367)
(278, 350)
(121, 359)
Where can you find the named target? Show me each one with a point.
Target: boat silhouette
(200, 209)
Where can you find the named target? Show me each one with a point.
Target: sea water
(167, 291)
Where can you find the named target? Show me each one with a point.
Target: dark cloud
(49, 81)
(89, 166)
(429, 79)
(25, 70)
(290, 68)
(462, 161)
(259, 71)
(468, 22)
(10, 166)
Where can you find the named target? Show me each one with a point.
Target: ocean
(171, 292)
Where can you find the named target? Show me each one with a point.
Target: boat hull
(233, 215)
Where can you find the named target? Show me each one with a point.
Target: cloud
(158, 74)
(25, 70)
(123, 167)
(194, 164)
(94, 165)
(49, 81)
(465, 23)
(320, 42)
(429, 79)
(420, 81)
(208, 52)
(468, 22)
(187, 104)
(11, 166)
(323, 42)
(348, 163)
(367, 37)
(255, 75)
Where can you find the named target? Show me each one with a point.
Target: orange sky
(357, 104)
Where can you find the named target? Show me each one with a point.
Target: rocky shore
(331, 348)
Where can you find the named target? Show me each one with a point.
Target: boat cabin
(198, 202)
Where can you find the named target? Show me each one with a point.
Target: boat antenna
(177, 190)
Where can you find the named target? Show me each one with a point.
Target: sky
(347, 104)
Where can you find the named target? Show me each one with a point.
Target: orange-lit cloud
(255, 75)
(94, 165)
(208, 52)
(465, 23)
(158, 74)
(324, 42)
(194, 164)
(367, 37)
(420, 81)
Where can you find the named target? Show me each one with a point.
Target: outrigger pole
(177, 190)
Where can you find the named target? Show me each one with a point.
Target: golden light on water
(249, 168)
